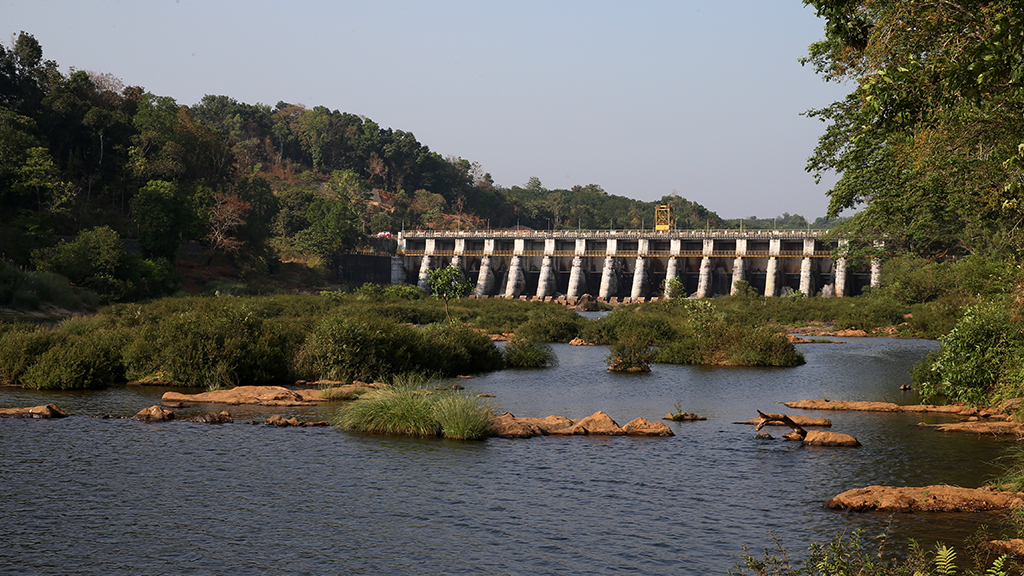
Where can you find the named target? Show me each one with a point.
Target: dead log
(764, 419)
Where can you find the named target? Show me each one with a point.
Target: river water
(92, 495)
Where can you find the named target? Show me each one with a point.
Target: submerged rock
(154, 414)
(937, 498)
(221, 417)
(281, 421)
(47, 411)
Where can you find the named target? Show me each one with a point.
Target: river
(93, 495)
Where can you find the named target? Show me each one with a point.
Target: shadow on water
(88, 495)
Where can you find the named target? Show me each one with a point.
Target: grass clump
(424, 413)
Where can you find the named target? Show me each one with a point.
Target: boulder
(937, 498)
(154, 414)
(1013, 546)
(644, 427)
(508, 426)
(597, 423)
(550, 424)
(824, 438)
(851, 333)
(577, 341)
(46, 411)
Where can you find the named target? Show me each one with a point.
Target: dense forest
(84, 153)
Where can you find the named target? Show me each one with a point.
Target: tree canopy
(929, 142)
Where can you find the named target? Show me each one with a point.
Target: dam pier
(632, 265)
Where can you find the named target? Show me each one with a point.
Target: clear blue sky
(644, 98)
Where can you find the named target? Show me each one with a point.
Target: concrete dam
(631, 265)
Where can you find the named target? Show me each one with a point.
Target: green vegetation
(855, 555)
(521, 352)
(418, 412)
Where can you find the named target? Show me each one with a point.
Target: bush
(977, 357)
(20, 346)
(551, 324)
(86, 360)
(363, 348)
(450, 350)
(524, 353)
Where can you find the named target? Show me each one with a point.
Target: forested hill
(251, 182)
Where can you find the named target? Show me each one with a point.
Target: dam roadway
(632, 265)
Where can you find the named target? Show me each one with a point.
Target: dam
(632, 265)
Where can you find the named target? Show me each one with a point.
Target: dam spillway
(631, 265)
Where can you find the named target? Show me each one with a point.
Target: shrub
(88, 360)
(524, 353)
(551, 323)
(20, 346)
(363, 348)
(450, 350)
(974, 358)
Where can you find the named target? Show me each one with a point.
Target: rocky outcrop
(47, 411)
(154, 414)
(987, 427)
(825, 438)
(508, 426)
(577, 341)
(938, 498)
(1013, 546)
(262, 395)
(281, 421)
(882, 407)
(644, 427)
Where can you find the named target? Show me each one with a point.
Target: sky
(645, 98)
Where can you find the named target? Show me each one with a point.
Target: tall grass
(450, 415)
(521, 352)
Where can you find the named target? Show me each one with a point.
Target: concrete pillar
(575, 280)
(704, 285)
(805, 277)
(423, 281)
(876, 267)
(737, 274)
(516, 280)
(639, 276)
(546, 282)
(771, 279)
(397, 269)
(671, 271)
(840, 277)
(876, 272)
(609, 282)
(484, 280)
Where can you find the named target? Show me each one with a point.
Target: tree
(929, 140)
(164, 217)
(445, 284)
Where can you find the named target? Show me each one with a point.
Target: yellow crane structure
(663, 217)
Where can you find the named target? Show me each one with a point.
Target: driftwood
(798, 433)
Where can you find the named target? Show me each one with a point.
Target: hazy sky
(643, 98)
